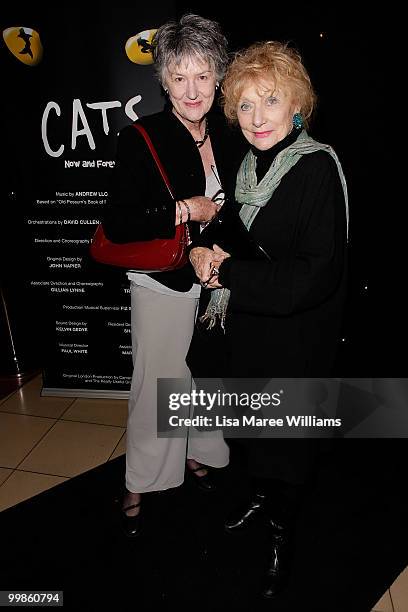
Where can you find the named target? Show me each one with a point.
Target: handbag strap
(155, 156)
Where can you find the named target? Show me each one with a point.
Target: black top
(140, 207)
(284, 314)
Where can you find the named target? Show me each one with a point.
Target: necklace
(200, 143)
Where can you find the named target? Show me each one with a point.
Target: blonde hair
(270, 62)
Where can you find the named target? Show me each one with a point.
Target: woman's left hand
(213, 282)
(204, 261)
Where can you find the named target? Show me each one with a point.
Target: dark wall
(356, 115)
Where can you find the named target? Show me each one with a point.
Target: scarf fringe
(210, 320)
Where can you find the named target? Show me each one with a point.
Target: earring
(217, 85)
(297, 121)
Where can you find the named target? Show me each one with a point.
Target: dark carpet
(352, 541)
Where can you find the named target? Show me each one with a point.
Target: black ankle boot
(277, 573)
(246, 515)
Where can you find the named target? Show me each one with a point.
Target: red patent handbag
(158, 255)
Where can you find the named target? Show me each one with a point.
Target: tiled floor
(46, 440)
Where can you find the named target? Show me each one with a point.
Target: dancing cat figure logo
(24, 44)
(139, 48)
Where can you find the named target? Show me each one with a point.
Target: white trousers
(162, 327)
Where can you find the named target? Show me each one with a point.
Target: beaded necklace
(200, 143)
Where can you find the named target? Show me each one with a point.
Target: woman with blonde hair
(278, 315)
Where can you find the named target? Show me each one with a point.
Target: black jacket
(284, 315)
(140, 207)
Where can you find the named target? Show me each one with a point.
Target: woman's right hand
(202, 209)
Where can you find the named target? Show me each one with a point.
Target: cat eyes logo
(139, 47)
(24, 44)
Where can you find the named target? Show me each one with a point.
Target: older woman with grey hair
(201, 157)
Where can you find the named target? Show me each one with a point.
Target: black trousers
(286, 459)
(289, 460)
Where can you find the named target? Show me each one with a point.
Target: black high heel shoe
(131, 525)
(205, 483)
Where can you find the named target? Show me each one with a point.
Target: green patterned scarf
(253, 197)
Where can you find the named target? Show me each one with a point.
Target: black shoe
(277, 573)
(131, 525)
(205, 483)
(246, 516)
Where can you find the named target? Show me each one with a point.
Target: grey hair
(191, 36)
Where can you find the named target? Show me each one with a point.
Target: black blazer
(140, 207)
